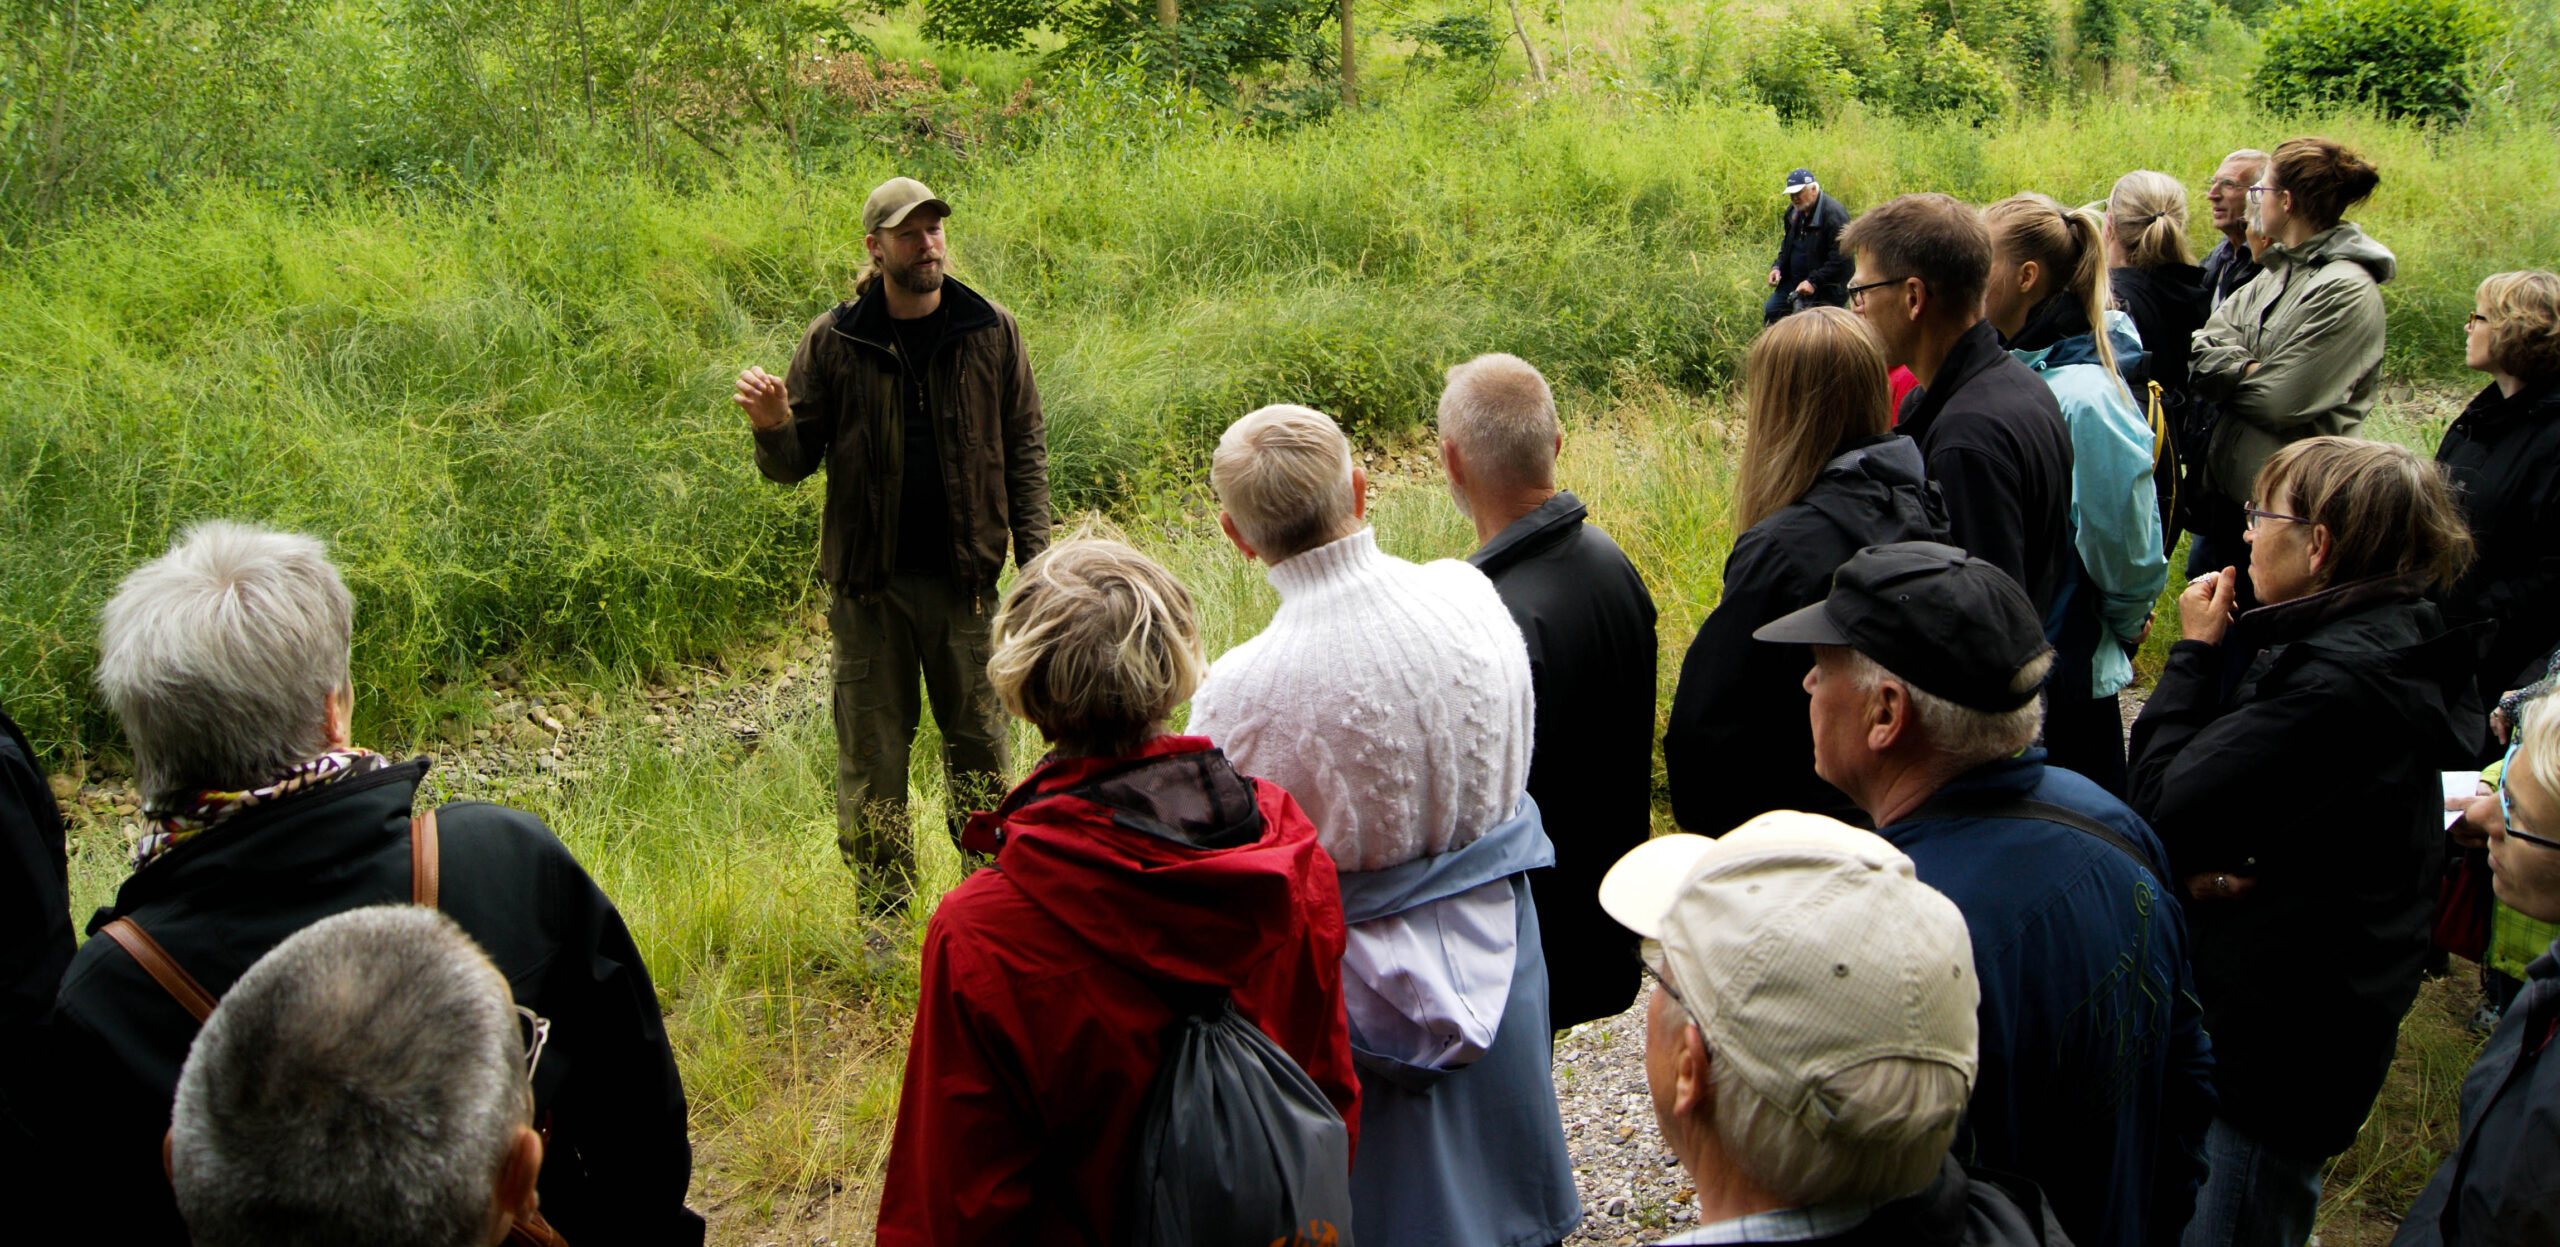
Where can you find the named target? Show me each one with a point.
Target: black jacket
(1589, 624)
(1961, 1208)
(1996, 444)
(2304, 752)
(1809, 250)
(2499, 1188)
(617, 1163)
(2168, 304)
(2504, 456)
(1739, 743)
(35, 945)
(2226, 268)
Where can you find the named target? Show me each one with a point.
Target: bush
(2406, 58)
(1949, 80)
(1796, 70)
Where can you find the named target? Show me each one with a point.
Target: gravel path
(1633, 1190)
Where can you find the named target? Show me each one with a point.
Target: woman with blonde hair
(1131, 867)
(2047, 297)
(2289, 760)
(2504, 455)
(2154, 276)
(1823, 476)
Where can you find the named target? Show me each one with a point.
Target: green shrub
(1796, 70)
(2406, 58)
(1950, 80)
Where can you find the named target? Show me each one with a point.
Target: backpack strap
(425, 859)
(163, 969)
(2009, 805)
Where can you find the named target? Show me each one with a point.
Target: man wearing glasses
(1811, 1039)
(2230, 265)
(2499, 1185)
(369, 1080)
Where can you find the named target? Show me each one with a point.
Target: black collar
(1555, 519)
(1974, 350)
(866, 319)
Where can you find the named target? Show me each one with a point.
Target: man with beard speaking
(917, 399)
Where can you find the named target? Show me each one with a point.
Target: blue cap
(1799, 180)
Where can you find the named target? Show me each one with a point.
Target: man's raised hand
(767, 400)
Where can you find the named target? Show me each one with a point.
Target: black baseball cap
(1953, 625)
(1799, 180)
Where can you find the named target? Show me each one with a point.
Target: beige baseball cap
(1804, 947)
(891, 201)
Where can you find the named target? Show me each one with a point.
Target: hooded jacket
(617, 1162)
(2498, 1188)
(849, 382)
(2312, 323)
(2304, 752)
(1589, 626)
(2119, 563)
(35, 947)
(1040, 1017)
(1473, 1154)
(2096, 1068)
(1961, 1207)
(1998, 448)
(1809, 250)
(1738, 743)
(2168, 304)
(2504, 456)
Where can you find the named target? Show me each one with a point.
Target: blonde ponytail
(2149, 211)
(2060, 240)
(2089, 281)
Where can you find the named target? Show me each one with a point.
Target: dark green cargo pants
(921, 625)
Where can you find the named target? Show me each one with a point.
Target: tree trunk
(1167, 14)
(1523, 32)
(1350, 62)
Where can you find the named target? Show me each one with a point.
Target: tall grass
(507, 411)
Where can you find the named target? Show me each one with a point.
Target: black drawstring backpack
(1237, 1147)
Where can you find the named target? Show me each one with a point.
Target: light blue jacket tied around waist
(2115, 510)
(1472, 1156)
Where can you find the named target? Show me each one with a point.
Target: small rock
(1617, 1208)
(127, 807)
(567, 715)
(653, 720)
(545, 762)
(1626, 1132)
(64, 787)
(545, 722)
(505, 673)
(479, 733)
(451, 731)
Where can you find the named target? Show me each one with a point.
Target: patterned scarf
(174, 823)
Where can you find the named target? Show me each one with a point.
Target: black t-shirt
(924, 501)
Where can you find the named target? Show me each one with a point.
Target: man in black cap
(1810, 269)
(2095, 1078)
(917, 399)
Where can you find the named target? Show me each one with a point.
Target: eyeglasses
(2251, 510)
(1646, 963)
(2506, 803)
(1858, 294)
(2226, 184)
(2256, 191)
(537, 1034)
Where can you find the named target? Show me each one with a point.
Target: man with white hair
(1811, 270)
(1811, 1039)
(2095, 1078)
(226, 660)
(365, 1082)
(2230, 264)
(1394, 701)
(1589, 626)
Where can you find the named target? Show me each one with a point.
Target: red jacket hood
(1166, 860)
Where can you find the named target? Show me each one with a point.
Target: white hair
(2539, 734)
(1283, 474)
(364, 1082)
(1502, 416)
(1964, 736)
(220, 655)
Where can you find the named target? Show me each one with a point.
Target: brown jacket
(844, 383)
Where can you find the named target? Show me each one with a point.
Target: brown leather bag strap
(426, 861)
(163, 969)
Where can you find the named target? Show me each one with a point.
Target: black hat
(1953, 625)
(1799, 180)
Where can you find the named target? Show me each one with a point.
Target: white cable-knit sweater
(1391, 699)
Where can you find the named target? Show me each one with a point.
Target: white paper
(2463, 784)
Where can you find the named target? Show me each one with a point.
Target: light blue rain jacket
(2115, 511)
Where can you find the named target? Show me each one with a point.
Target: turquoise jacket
(2115, 512)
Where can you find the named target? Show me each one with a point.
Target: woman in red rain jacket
(1129, 861)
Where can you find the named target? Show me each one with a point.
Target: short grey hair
(1283, 474)
(219, 655)
(364, 1082)
(1502, 417)
(1964, 736)
(2253, 158)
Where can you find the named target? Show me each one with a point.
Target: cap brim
(1638, 891)
(1810, 626)
(894, 219)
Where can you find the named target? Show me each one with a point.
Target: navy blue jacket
(2499, 1188)
(2096, 1077)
